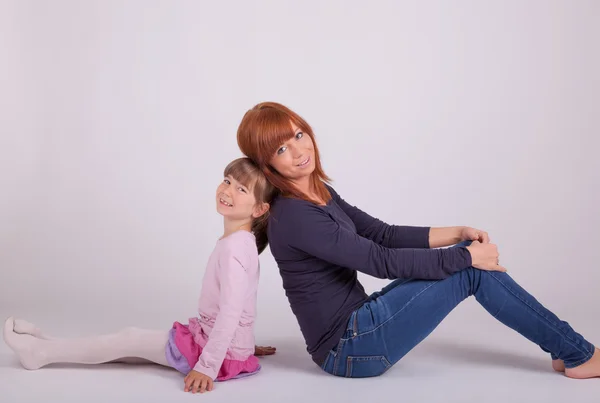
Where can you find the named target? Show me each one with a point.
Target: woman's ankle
(589, 369)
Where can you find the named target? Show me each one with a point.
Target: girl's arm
(234, 284)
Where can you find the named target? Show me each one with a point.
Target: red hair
(262, 131)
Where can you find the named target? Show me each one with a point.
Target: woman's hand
(473, 234)
(485, 256)
(260, 350)
(196, 381)
(446, 236)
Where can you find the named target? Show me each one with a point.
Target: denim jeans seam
(499, 310)
(350, 360)
(350, 326)
(398, 311)
(580, 362)
(367, 357)
(364, 357)
(336, 361)
(572, 342)
(348, 367)
(324, 365)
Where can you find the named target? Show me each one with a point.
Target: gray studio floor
(469, 358)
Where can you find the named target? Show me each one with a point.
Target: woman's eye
(281, 150)
(227, 181)
(299, 135)
(242, 190)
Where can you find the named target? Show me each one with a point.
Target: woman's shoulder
(332, 191)
(291, 208)
(282, 202)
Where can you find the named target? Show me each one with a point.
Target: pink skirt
(182, 353)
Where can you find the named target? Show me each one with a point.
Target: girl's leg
(388, 326)
(128, 343)
(23, 327)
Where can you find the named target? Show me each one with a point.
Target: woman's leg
(389, 325)
(557, 364)
(128, 343)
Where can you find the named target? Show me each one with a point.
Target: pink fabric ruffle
(190, 349)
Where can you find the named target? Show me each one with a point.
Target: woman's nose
(296, 152)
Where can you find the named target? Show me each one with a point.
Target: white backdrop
(117, 118)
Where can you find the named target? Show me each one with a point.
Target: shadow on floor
(481, 356)
(292, 355)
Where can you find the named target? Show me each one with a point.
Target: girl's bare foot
(558, 365)
(590, 369)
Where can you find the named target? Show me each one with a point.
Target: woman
(320, 242)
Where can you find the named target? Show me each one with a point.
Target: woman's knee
(468, 280)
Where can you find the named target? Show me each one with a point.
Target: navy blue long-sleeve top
(319, 250)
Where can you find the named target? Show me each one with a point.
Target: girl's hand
(473, 234)
(196, 381)
(259, 350)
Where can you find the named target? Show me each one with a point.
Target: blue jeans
(397, 318)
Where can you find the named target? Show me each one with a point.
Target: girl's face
(295, 159)
(236, 201)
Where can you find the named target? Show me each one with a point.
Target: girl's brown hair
(263, 129)
(245, 171)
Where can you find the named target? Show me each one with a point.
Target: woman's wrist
(445, 236)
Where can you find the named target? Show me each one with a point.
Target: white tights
(36, 350)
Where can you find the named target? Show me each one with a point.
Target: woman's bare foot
(558, 365)
(590, 369)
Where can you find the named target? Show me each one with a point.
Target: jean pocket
(366, 366)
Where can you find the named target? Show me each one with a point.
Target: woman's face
(295, 159)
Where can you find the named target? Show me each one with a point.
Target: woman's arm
(403, 236)
(380, 232)
(446, 236)
(310, 229)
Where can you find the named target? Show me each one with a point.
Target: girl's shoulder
(239, 240)
(240, 245)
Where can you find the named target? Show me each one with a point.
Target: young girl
(219, 343)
